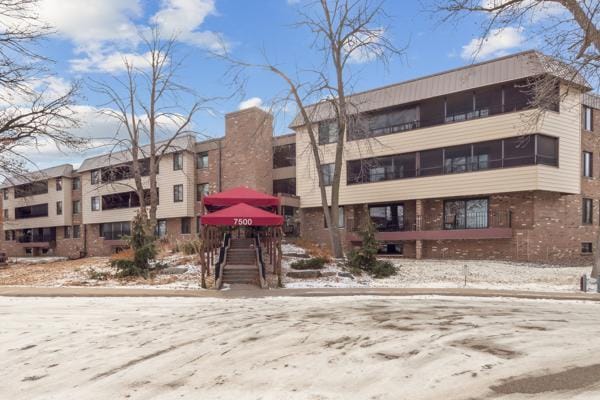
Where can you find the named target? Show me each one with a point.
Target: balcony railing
(475, 220)
(37, 238)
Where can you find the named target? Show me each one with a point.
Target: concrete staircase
(241, 263)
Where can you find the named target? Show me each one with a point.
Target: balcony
(473, 226)
(46, 239)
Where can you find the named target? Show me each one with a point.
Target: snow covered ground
(298, 348)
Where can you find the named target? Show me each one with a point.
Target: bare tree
(571, 35)
(342, 32)
(31, 114)
(146, 104)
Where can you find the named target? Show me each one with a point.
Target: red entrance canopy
(240, 195)
(241, 214)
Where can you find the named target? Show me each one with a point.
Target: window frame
(76, 183)
(587, 248)
(588, 119)
(587, 211)
(178, 161)
(186, 225)
(59, 208)
(76, 209)
(328, 178)
(58, 183)
(465, 213)
(67, 231)
(201, 156)
(328, 138)
(587, 164)
(95, 200)
(178, 189)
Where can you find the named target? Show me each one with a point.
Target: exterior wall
(565, 179)
(51, 198)
(248, 150)
(166, 179)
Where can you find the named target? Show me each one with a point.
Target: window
(31, 189)
(6, 214)
(486, 155)
(95, 203)
(77, 207)
(431, 162)
(5, 194)
(38, 210)
(466, 214)
(460, 107)
(76, 183)
(178, 193)
(586, 247)
(546, 150)
(519, 151)
(95, 176)
(456, 159)
(385, 123)
(341, 218)
(123, 200)
(587, 211)
(186, 225)
(177, 161)
(67, 232)
(58, 184)
(59, 208)
(328, 132)
(115, 230)
(287, 186)
(327, 170)
(587, 164)
(284, 155)
(202, 160)
(387, 217)
(161, 228)
(588, 118)
(76, 231)
(9, 235)
(202, 189)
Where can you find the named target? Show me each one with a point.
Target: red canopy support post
(279, 236)
(202, 259)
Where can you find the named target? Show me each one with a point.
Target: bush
(311, 263)
(190, 247)
(97, 275)
(364, 259)
(137, 261)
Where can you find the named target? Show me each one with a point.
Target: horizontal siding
(166, 179)
(51, 198)
(564, 125)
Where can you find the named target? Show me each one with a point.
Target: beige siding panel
(284, 173)
(166, 179)
(565, 179)
(51, 198)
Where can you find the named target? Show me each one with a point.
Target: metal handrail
(222, 261)
(259, 261)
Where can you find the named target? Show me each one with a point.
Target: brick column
(418, 226)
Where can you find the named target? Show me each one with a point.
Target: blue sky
(92, 37)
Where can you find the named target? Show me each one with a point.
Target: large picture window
(466, 214)
(35, 211)
(31, 189)
(387, 217)
(115, 230)
(328, 132)
(284, 155)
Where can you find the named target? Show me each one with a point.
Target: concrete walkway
(245, 292)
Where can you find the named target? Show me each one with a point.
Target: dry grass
(313, 249)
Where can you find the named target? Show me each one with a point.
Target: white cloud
(499, 42)
(364, 47)
(103, 32)
(251, 102)
(536, 10)
(111, 62)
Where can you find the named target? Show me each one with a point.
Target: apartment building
(87, 211)
(453, 165)
(459, 165)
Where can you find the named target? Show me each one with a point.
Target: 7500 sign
(242, 221)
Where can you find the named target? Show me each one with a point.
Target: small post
(598, 284)
(583, 284)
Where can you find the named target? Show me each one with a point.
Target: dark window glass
(95, 176)
(586, 247)
(76, 231)
(431, 162)
(588, 170)
(58, 184)
(587, 211)
(284, 155)
(95, 203)
(387, 217)
(519, 151)
(6, 213)
(177, 161)
(287, 186)
(202, 160)
(488, 101)
(327, 174)
(76, 183)
(202, 189)
(466, 214)
(178, 193)
(123, 200)
(115, 230)
(38, 210)
(37, 235)
(328, 132)
(517, 96)
(77, 207)
(186, 224)
(459, 107)
(387, 122)
(487, 155)
(161, 228)
(547, 150)
(59, 208)
(432, 112)
(456, 159)
(31, 189)
(67, 232)
(588, 118)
